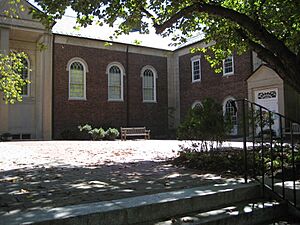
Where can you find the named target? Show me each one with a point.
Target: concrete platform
(136, 210)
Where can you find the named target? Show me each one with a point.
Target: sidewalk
(59, 173)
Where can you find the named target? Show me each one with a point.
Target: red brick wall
(212, 85)
(96, 110)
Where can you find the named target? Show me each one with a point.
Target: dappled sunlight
(48, 178)
(231, 210)
(41, 187)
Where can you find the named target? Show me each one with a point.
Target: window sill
(77, 99)
(228, 74)
(196, 81)
(115, 100)
(149, 101)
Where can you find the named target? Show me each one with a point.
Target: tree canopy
(12, 67)
(271, 28)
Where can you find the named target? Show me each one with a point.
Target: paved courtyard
(37, 174)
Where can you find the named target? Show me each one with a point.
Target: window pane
(228, 65)
(196, 70)
(230, 111)
(25, 76)
(148, 85)
(114, 83)
(76, 80)
(76, 90)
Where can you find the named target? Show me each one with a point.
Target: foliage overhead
(269, 27)
(11, 81)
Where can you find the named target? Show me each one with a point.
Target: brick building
(79, 80)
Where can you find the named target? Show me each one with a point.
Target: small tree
(205, 123)
(11, 80)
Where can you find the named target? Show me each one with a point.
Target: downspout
(52, 108)
(127, 86)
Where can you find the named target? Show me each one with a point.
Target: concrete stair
(230, 202)
(242, 213)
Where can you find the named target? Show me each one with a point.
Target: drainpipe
(53, 73)
(127, 86)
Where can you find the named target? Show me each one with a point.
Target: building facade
(31, 118)
(77, 81)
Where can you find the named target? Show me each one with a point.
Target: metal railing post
(253, 139)
(271, 149)
(282, 156)
(245, 141)
(293, 163)
(262, 151)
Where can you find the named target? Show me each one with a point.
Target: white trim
(155, 76)
(235, 126)
(28, 77)
(77, 59)
(232, 62)
(193, 60)
(85, 70)
(121, 67)
(196, 103)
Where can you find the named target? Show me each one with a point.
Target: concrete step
(282, 222)
(242, 213)
(138, 209)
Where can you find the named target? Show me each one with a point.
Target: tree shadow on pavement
(37, 187)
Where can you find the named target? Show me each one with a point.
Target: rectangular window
(114, 86)
(148, 88)
(76, 84)
(25, 76)
(228, 66)
(196, 70)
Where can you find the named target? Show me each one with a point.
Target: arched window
(77, 79)
(230, 112)
(25, 76)
(149, 76)
(115, 82)
(196, 104)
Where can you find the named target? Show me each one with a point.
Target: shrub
(86, 127)
(111, 133)
(97, 133)
(220, 160)
(6, 137)
(205, 123)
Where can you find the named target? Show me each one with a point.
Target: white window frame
(121, 67)
(196, 58)
(196, 103)
(232, 64)
(85, 70)
(28, 78)
(234, 129)
(155, 76)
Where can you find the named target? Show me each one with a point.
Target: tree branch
(180, 14)
(253, 27)
(273, 61)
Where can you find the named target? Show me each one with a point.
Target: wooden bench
(134, 131)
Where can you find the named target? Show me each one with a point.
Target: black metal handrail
(257, 127)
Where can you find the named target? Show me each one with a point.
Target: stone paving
(36, 174)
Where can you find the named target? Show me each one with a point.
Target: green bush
(97, 133)
(85, 127)
(205, 123)
(220, 160)
(100, 133)
(111, 133)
